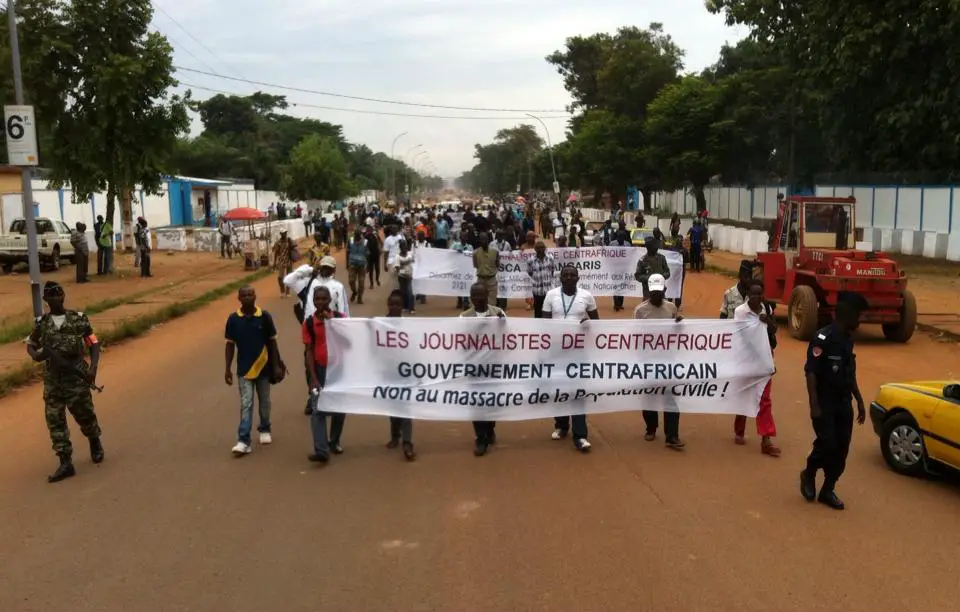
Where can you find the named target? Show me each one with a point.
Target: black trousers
(671, 423)
(834, 430)
(579, 425)
(100, 257)
(538, 306)
(225, 246)
(696, 257)
(618, 301)
(483, 430)
(145, 263)
(373, 268)
(82, 263)
(401, 428)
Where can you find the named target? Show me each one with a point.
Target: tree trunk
(126, 215)
(646, 193)
(701, 198)
(111, 203)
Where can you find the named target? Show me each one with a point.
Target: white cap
(656, 282)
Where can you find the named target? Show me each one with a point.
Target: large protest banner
(603, 271)
(516, 369)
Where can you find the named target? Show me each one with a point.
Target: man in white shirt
(570, 303)
(391, 249)
(304, 278)
(656, 307)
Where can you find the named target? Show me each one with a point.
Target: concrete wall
(913, 220)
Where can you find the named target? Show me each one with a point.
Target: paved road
(172, 522)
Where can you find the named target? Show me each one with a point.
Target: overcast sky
(467, 53)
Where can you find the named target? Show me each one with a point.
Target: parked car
(919, 425)
(53, 241)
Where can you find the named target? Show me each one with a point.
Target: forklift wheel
(903, 331)
(803, 313)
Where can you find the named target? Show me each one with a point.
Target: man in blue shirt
(441, 234)
(252, 336)
(697, 235)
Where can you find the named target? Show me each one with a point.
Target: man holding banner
(569, 302)
(656, 307)
(485, 431)
(487, 262)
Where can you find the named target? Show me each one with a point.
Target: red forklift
(813, 257)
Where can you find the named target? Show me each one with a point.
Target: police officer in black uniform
(831, 372)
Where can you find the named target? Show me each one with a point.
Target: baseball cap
(328, 262)
(656, 282)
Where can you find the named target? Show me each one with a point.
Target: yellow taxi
(640, 235)
(919, 425)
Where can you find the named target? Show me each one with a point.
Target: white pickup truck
(53, 239)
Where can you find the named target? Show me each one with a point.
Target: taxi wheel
(902, 445)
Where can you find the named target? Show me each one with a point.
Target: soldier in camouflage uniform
(59, 339)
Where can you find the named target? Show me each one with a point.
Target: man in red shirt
(315, 339)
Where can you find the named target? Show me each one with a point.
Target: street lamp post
(393, 171)
(33, 254)
(407, 167)
(404, 161)
(553, 167)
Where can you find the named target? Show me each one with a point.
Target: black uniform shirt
(831, 359)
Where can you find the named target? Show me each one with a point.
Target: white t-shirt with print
(569, 307)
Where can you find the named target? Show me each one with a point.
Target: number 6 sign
(21, 133)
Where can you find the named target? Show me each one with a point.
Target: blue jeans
(261, 387)
(322, 439)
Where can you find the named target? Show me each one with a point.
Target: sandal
(770, 449)
(393, 443)
(739, 440)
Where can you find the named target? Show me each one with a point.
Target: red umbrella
(244, 214)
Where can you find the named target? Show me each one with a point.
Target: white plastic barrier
(935, 244)
(886, 240)
(864, 246)
(736, 240)
(911, 242)
(953, 246)
(721, 237)
(754, 241)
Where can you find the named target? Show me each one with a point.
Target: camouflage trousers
(356, 276)
(57, 400)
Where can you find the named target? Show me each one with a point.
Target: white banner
(517, 369)
(603, 271)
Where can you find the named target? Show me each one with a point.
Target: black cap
(746, 266)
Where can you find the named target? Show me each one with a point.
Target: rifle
(71, 368)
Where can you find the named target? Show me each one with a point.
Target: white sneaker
(583, 445)
(266, 438)
(557, 434)
(241, 449)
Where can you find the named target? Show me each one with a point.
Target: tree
(883, 78)
(605, 152)
(317, 171)
(682, 140)
(101, 85)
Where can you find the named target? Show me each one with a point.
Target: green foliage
(878, 78)
(506, 162)
(317, 171)
(99, 80)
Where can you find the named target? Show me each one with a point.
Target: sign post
(21, 134)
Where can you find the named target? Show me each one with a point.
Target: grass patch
(19, 330)
(28, 372)
(720, 271)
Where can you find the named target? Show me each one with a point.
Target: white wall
(896, 210)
